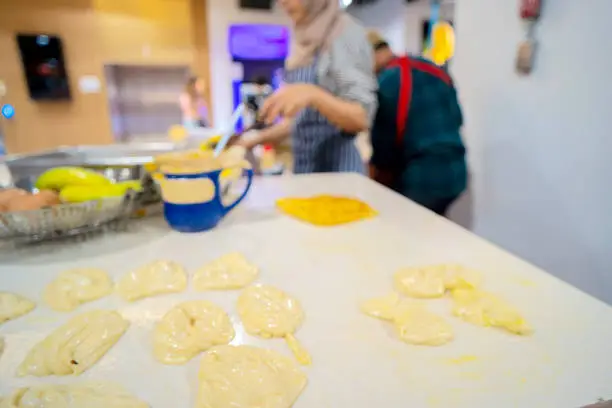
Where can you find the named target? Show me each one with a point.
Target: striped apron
(319, 146)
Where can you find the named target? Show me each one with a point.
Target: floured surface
(75, 346)
(13, 306)
(88, 395)
(248, 377)
(153, 279)
(190, 328)
(76, 286)
(486, 309)
(230, 271)
(358, 362)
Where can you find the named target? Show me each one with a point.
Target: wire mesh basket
(64, 219)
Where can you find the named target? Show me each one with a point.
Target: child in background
(193, 104)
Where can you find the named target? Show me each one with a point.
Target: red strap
(432, 70)
(405, 96)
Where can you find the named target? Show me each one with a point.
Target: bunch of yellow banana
(77, 184)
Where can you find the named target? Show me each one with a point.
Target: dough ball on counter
(247, 376)
(485, 309)
(230, 271)
(269, 312)
(76, 346)
(90, 395)
(8, 194)
(433, 281)
(13, 305)
(153, 279)
(74, 287)
(190, 328)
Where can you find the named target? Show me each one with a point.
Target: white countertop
(357, 362)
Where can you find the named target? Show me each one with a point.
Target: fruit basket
(65, 219)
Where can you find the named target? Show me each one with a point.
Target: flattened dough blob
(413, 323)
(416, 325)
(13, 305)
(75, 346)
(94, 395)
(433, 281)
(269, 312)
(153, 279)
(248, 377)
(485, 309)
(74, 287)
(230, 271)
(190, 328)
(383, 307)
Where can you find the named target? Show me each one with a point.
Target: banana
(60, 177)
(79, 194)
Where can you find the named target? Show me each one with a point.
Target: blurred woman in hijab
(329, 91)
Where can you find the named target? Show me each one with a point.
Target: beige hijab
(323, 24)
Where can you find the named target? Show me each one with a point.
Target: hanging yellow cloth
(326, 210)
(442, 44)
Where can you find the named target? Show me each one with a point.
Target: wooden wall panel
(94, 33)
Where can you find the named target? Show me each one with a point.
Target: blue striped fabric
(318, 146)
(345, 70)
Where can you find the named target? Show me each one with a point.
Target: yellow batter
(153, 279)
(230, 271)
(75, 346)
(248, 377)
(485, 309)
(413, 323)
(72, 396)
(433, 281)
(13, 305)
(74, 287)
(190, 328)
(269, 312)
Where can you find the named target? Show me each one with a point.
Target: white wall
(221, 14)
(542, 145)
(399, 22)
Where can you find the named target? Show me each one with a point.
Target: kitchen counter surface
(357, 361)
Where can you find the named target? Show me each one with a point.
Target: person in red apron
(417, 148)
(329, 91)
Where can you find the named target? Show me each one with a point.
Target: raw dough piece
(248, 377)
(156, 278)
(231, 271)
(190, 328)
(433, 281)
(269, 312)
(75, 346)
(326, 210)
(413, 323)
(416, 325)
(485, 309)
(383, 307)
(72, 396)
(13, 305)
(76, 286)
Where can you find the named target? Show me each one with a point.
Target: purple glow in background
(258, 42)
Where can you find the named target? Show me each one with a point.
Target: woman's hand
(288, 101)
